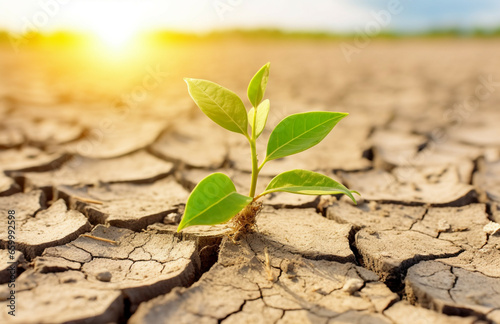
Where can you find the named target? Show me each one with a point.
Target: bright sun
(115, 33)
(115, 25)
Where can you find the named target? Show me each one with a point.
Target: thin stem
(255, 168)
(255, 162)
(258, 196)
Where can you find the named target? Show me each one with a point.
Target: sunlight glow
(115, 32)
(115, 26)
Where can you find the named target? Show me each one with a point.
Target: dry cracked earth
(98, 159)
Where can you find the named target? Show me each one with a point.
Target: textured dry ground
(94, 147)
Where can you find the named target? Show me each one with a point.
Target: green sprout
(215, 200)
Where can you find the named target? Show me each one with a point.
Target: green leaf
(258, 84)
(307, 183)
(261, 118)
(213, 201)
(298, 132)
(220, 104)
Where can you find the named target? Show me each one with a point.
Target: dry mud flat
(98, 190)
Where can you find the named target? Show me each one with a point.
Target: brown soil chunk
(30, 159)
(50, 227)
(452, 290)
(115, 262)
(133, 206)
(116, 138)
(461, 225)
(25, 204)
(9, 262)
(389, 253)
(306, 233)
(49, 131)
(393, 147)
(375, 216)
(403, 312)
(207, 239)
(485, 260)
(8, 186)
(138, 167)
(197, 144)
(488, 179)
(65, 303)
(277, 283)
(437, 186)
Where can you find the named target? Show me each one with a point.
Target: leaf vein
(208, 96)
(209, 207)
(293, 139)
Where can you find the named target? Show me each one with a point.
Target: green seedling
(215, 200)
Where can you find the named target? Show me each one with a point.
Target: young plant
(215, 200)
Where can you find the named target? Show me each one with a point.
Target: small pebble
(172, 218)
(491, 228)
(104, 276)
(443, 226)
(352, 285)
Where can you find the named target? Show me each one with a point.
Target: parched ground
(98, 155)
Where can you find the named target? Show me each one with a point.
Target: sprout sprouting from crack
(215, 200)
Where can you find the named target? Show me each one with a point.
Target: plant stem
(255, 168)
(255, 162)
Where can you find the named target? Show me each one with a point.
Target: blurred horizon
(65, 37)
(342, 17)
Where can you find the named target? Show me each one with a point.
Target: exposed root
(244, 222)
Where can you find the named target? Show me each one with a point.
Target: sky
(206, 15)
